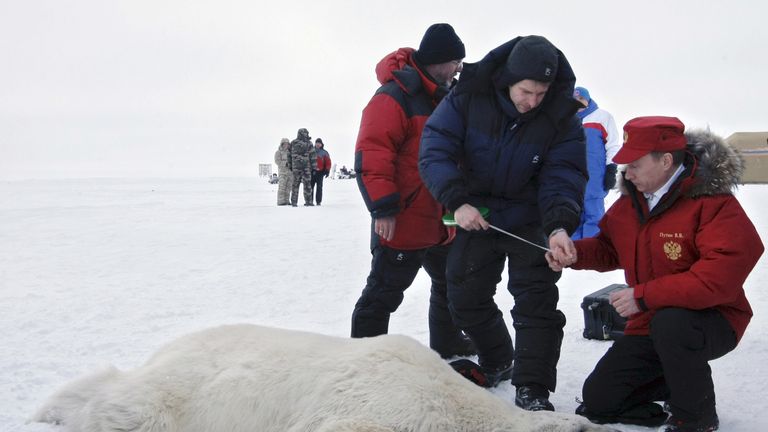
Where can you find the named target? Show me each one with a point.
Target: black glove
(609, 181)
(326, 173)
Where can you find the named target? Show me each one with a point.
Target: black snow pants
(392, 272)
(475, 264)
(317, 185)
(671, 364)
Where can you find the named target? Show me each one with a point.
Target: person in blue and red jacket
(686, 247)
(507, 138)
(406, 230)
(603, 143)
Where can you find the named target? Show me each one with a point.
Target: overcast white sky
(170, 88)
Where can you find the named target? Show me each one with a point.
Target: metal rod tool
(518, 237)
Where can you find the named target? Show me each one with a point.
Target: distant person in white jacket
(603, 143)
(285, 176)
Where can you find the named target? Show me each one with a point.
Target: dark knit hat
(440, 44)
(532, 57)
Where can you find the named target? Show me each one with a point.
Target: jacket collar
(591, 107)
(481, 77)
(675, 191)
(401, 67)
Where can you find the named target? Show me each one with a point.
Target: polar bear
(247, 378)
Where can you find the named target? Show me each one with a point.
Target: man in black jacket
(507, 139)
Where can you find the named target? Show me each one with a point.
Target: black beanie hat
(532, 57)
(440, 44)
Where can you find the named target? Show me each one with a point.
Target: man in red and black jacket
(406, 229)
(321, 171)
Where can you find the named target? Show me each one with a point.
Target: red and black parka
(694, 250)
(387, 152)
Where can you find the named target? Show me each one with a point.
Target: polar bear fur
(246, 378)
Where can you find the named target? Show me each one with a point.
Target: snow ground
(100, 271)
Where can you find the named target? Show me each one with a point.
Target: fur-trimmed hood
(719, 166)
(712, 166)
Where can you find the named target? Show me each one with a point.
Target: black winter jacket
(527, 169)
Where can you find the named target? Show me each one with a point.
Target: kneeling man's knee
(598, 397)
(673, 325)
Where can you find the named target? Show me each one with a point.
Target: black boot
(533, 397)
(707, 424)
(499, 374)
(462, 347)
(648, 414)
(482, 376)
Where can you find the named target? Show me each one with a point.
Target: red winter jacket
(323, 160)
(694, 250)
(387, 152)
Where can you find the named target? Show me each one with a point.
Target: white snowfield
(96, 272)
(244, 378)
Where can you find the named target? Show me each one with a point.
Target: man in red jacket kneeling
(686, 247)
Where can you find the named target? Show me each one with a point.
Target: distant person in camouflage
(301, 160)
(284, 174)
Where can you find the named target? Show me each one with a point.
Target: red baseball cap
(643, 135)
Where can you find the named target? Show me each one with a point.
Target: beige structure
(754, 147)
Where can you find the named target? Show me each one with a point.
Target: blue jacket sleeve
(440, 153)
(563, 179)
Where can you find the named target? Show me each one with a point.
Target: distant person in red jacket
(322, 169)
(406, 229)
(686, 247)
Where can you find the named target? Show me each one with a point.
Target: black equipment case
(601, 321)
